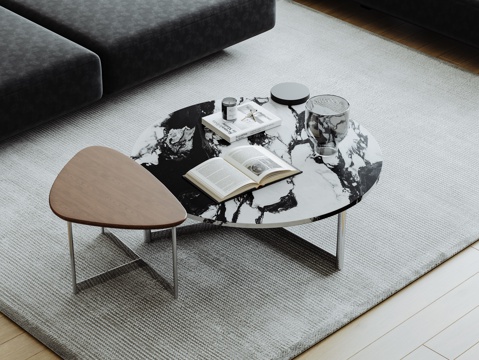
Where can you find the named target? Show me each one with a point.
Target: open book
(252, 119)
(242, 169)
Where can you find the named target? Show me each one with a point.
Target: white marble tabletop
(327, 186)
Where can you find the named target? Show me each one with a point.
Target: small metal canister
(228, 108)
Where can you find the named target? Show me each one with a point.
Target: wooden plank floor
(436, 317)
(433, 318)
(428, 42)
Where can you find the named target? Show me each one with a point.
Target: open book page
(219, 179)
(259, 163)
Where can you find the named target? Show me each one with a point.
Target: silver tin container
(228, 108)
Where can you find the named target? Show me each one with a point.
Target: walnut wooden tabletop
(100, 186)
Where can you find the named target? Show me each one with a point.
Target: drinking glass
(327, 122)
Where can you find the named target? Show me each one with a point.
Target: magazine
(242, 169)
(251, 119)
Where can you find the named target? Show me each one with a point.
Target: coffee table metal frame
(150, 236)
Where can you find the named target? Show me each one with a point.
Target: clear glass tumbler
(327, 122)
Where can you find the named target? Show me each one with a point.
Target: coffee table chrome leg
(175, 264)
(147, 236)
(103, 230)
(340, 240)
(72, 256)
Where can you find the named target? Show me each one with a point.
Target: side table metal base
(136, 263)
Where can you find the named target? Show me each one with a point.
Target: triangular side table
(102, 187)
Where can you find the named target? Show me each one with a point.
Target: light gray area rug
(248, 294)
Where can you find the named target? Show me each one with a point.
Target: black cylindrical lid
(289, 93)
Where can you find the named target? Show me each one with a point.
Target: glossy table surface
(102, 187)
(328, 186)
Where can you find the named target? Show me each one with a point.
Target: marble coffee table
(327, 187)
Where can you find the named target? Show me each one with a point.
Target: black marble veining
(327, 186)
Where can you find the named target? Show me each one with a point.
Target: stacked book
(251, 119)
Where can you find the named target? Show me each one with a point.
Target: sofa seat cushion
(42, 75)
(139, 39)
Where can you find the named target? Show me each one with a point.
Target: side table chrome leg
(103, 230)
(72, 256)
(340, 241)
(147, 236)
(175, 264)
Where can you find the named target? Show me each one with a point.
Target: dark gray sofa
(42, 75)
(135, 40)
(458, 19)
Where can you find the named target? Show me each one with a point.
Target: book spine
(255, 131)
(216, 130)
